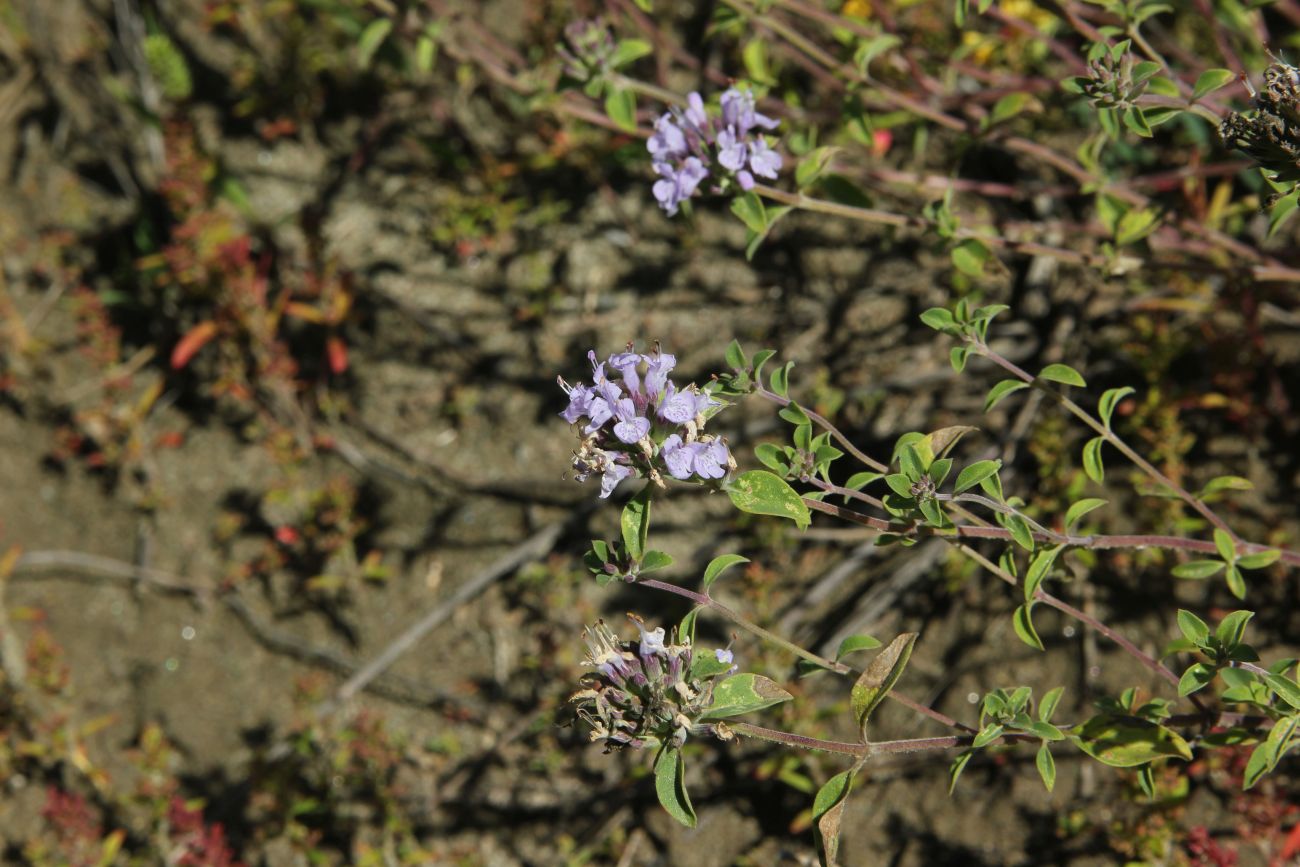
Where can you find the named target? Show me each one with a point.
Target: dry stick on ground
(537, 545)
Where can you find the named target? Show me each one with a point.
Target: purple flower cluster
(644, 694)
(688, 141)
(642, 423)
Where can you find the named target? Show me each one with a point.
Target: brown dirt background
(450, 432)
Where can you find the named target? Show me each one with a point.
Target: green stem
(707, 601)
(908, 745)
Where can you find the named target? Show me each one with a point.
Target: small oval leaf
(670, 786)
(718, 565)
(1063, 374)
(762, 493)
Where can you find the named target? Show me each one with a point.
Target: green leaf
(899, 484)
(780, 379)
(670, 786)
(1198, 569)
(1259, 560)
(1266, 756)
(828, 808)
(1009, 106)
(734, 356)
(1044, 730)
(1023, 624)
(707, 665)
(857, 481)
(1046, 766)
(1092, 464)
(1232, 628)
(773, 457)
(958, 765)
(1001, 390)
(1110, 399)
(869, 49)
(749, 208)
(1281, 210)
(1211, 80)
(879, 678)
(1285, 688)
(1136, 225)
(938, 318)
(977, 472)
(796, 415)
(911, 463)
(754, 56)
(969, 257)
(718, 565)
(635, 523)
(957, 357)
(1063, 374)
(939, 469)
(1047, 706)
(744, 693)
(1236, 582)
(939, 443)
(1021, 533)
(1223, 544)
(1038, 569)
(655, 560)
(812, 166)
(1156, 115)
(686, 629)
(854, 643)
(1127, 741)
(1196, 677)
(986, 736)
(629, 50)
(1079, 509)
(762, 493)
(370, 40)
(1194, 629)
(1135, 119)
(620, 106)
(1225, 483)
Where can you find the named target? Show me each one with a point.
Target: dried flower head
(1271, 134)
(645, 693)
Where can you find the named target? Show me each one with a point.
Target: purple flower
(626, 364)
(687, 142)
(656, 377)
(630, 427)
(764, 161)
(738, 112)
(579, 401)
(678, 457)
(652, 640)
(724, 656)
(614, 473)
(677, 407)
(677, 185)
(711, 460)
(668, 142)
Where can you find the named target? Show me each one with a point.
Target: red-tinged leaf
(1291, 848)
(173, 439)
(192, 342)
(337, 351)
